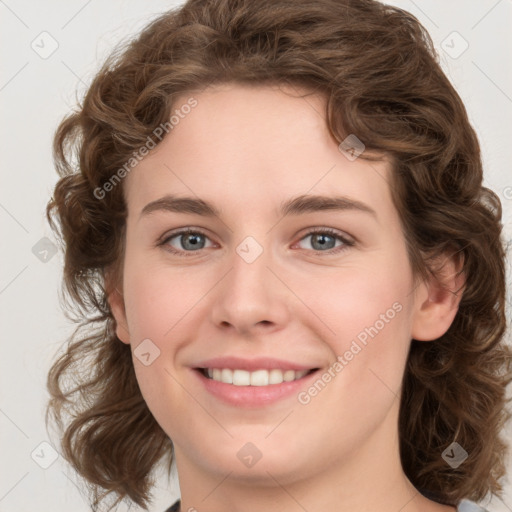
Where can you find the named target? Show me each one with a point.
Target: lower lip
(253, 396)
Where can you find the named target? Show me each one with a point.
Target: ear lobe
(437, 300)
(116, 302)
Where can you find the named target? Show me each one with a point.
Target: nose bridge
(250, 295)
(249, 267)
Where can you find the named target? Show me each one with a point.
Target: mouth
(257, 378)
(253, 382)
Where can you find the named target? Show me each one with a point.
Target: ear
(116, 302)
(437, 299)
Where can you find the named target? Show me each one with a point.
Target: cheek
(159, 304)
(368, 310)
(355, 301)
(158, 297)
(370, 316)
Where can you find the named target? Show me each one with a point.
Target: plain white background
(51, 51)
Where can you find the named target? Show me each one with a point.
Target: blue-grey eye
(187, 241)
(325, 240)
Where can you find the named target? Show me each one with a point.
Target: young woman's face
(302, 267)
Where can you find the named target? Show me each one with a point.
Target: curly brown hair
(380, 74)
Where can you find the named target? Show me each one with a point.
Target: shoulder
(463, 506)
(174, 508)
(469, 506)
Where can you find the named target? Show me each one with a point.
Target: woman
(290, 277)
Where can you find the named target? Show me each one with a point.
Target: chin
(278, 464)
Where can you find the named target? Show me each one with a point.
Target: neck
(366, 479)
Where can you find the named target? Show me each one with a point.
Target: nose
(250, 300)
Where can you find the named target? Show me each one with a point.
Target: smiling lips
(241, 380)
(252, 383)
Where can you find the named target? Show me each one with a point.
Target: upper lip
(260, 363)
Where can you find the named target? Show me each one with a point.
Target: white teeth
(275, 377)
(259, 378)
(256, 378)
(226, 375)
(289, 375)
(240, 378)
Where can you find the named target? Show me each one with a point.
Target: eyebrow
(296, 206)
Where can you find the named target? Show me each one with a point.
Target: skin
(247, 149)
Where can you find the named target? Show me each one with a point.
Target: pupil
(192, 241)
(321, 240)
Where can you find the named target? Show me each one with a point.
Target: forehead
(253, 145)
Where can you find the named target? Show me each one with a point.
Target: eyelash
(324, 231)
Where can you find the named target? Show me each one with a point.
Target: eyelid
(164, 239)
(348, 241)
(345, 237)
